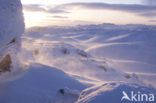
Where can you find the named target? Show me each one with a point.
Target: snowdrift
(105, 50)
(114, 92)
(43, 84)
(40, 84)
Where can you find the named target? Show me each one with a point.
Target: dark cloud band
(141, 10)
(40, 8)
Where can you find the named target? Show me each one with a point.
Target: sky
(79, 12)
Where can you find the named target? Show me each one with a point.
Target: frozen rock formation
(11, 27)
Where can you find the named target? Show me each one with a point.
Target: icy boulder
(11, 20)
(11, 28)
(66, 96)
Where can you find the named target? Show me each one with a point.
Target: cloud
(130, 8)
(152, 21)
(55, 10)
(40, 8)
(33, 8)
(60, 17)
(148, 14)
(141, 10)
(149, 2)
(119, 7)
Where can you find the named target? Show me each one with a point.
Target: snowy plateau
(84, 64)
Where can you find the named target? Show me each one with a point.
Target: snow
(111, 93)
(65, 57)
(114, 48)
(81, 64)
(11, 21)
(39, 85)
(85, 64)
(44, 84)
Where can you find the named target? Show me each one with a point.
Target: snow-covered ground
(100, 51)
(84, 64)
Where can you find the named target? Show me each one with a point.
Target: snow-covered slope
(100, 51)
(44, 84)
(113, 93)
(40, 84)
(84, 64)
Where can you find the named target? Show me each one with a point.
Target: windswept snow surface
(84, 64)
(112, 93)
(104, 52)
(40, 85)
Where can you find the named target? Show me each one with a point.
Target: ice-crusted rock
(11, 20)
(66, 95)
(11, 28)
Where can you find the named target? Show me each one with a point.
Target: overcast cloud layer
(149, 2)
(141, 10)
(40, 8)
